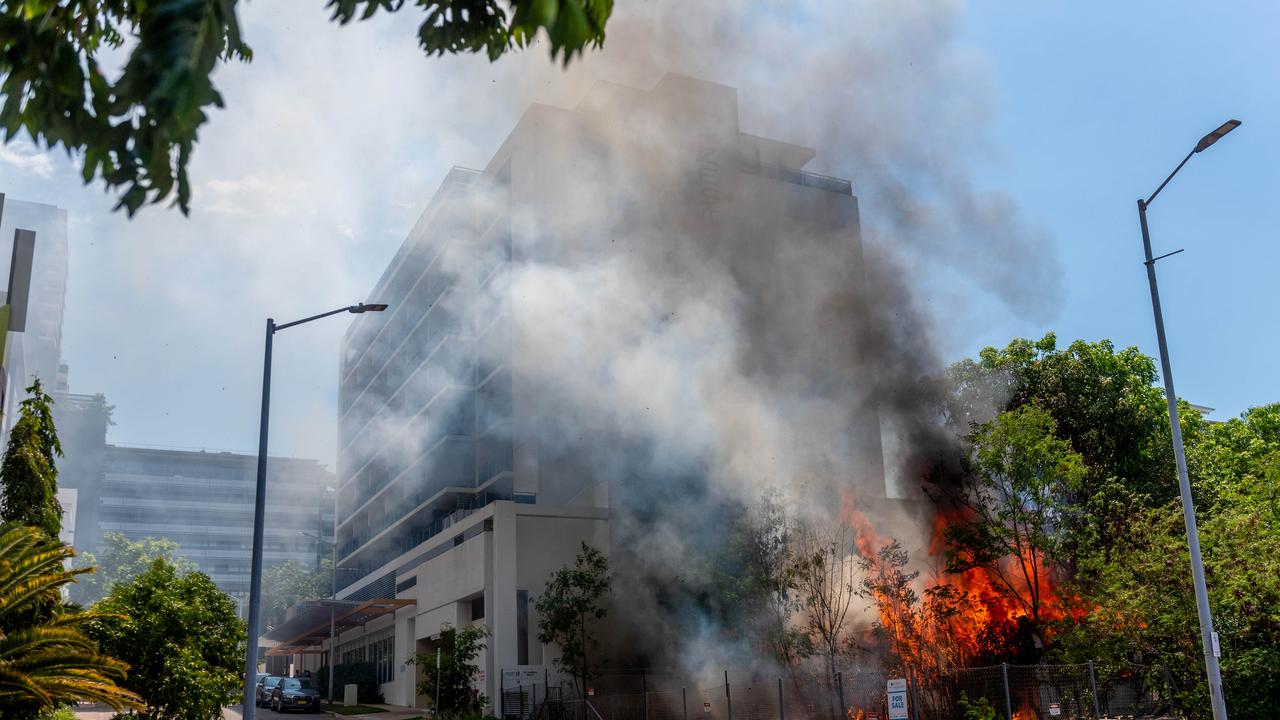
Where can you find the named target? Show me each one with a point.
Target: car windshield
(297, 684)
(272, 681)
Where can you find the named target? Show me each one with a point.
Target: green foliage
(458, 651)
(979, 709)
(751, 585)
(890, 588)
(1142, 593)
(182, 638)
(1103, 402)
(122, 560)
(572, 599)
(291, 582)
(1018, 501)
(49, 663)
(135, 129)
(28, 473)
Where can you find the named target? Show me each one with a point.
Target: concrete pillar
(500, 597)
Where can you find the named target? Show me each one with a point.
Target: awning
(307, 630)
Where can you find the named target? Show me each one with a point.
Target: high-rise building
(37, 350)
(203, 501)
(459, 489)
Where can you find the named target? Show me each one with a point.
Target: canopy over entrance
(307, 630)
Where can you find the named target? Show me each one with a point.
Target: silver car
(262, 694)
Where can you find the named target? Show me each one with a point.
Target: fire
(970, 614)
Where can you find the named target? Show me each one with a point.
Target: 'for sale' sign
(897, 690)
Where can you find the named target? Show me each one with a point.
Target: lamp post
(1207, 636)
(260, 507)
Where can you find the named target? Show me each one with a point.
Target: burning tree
(1013, 511)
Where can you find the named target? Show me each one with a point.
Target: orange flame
(982, 606)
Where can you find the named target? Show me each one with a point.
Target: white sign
(897, 690)
(706, 707)
(1055, 709)
(522, 676)
(1217, 649)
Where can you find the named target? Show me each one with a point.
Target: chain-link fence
(1013, 692)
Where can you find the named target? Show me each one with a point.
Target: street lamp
(260, 506)
(1208, 638)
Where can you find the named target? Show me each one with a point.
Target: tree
(826, 581)
(182, 638)
(1103, 402)
(48, 664)
(136, 129)
(458, 651)
(291, 582)
(891, 590)
(123, 560)
(572, 599)
(28, 473)
(1017, 504)
(1144, 612)
(749, 589)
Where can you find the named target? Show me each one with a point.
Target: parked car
(295, 694)
(266, 683)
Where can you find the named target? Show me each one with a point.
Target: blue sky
(1095, 104)
(334, 138)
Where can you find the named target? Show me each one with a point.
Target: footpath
(390, 712)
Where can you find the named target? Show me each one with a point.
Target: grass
(351, 709)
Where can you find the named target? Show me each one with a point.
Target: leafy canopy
(136, 128)
(1144, 606)
(574, 597)
(458, 652)
(50, 663)
(291, 582)
(182, 638)
(28, 474)
(123, 560)
(1017, 503)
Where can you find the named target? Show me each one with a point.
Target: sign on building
(523, 676)
(1055, 709)
(897, 689)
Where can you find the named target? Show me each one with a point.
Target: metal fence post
(1093, 685)
(1008, 702)
(727, 697)
(684, 703)
(644, 694)
(840, 689)
(782, 715)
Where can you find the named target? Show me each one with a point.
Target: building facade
(204, 502)
(37, 350)
(457, 494)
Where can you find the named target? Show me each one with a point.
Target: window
(477, 608)
(380, 654)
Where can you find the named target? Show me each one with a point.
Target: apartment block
(459, 490)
